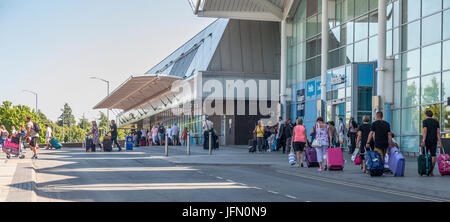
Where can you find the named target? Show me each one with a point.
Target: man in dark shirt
(382, 132)
(114, 134)
(431, 135)
(286, 135)
(363, 135)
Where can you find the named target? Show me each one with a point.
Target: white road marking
(220, 178)
(270, 191)
(292, 197)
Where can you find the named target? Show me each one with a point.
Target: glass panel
(347, 33)
(410, 143)
(373, 23)
(335, 38)
(361, 7)
(396, 15)
(348, 92)
(410, 92)
(431, 59)
(349, 54)
(373, 48)
(446, 26)
(348, 6)
(411, 64)
(397, 94)
(411, 10)
(410, 121)
(333, 59)
(300, 53)
(430, 31)
(396, 41)
(373, 4)
(312, 48)
(311, 27)
(301, 12)
(411, 37)
(431, 89)
(341, 93)
(396, 122)
(430, 6)
(389, 16)
(364, 98)
(446, 3)
(338, 8)
(361, 53)
(388, 43)
(397, 68)
(361, 28)
(445, 117)
(446, 55)
(348, 75)
(311, 8)
(445, 85)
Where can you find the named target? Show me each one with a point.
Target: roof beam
(259, 16)
(269, 6)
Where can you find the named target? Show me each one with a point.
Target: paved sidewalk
(17, 179)
(436, 186)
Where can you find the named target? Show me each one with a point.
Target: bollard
(166, 146)
(210, 143)
(188, 144)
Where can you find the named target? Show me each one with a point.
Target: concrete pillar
(324, 61)
(283, 69)
(381, 50)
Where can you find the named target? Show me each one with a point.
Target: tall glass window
(411, 37)
(410, 92)
(431, 59)
(410, 121)
(373, 48)
(411, 10)
(361, 52)
(446, 56)
(431, 89)
(430, 29)
(389, 16)
(349, 54)
(311, 7)
(445, 85)
(311, 27)
(446, 4)
(373, 23)
(430, 6)
(411, 64)
(361, 28)
(348, 7)
(446, 31)
(361, 7)
(347, 33)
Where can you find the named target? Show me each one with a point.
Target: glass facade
(417, 39)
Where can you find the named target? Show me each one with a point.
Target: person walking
(175, 134)
(114, 134)
(13, 131)
(286, 135)
(278, 136)
(184, 136)
(161, 134)
(323, 133)
(352, 133)
(259, 130)
(48, 136)
(95, 136)
(299, 141)
(381, 131)
(334, 134)
(22, 134)
(155, 135)
(3, 135)
(363, 135)
(33, 135)
(341, 133)
(208, 127)
(430, 137)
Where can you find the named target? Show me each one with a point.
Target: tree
(431, 92)
(103, 124)
(85, 124)
(67, 116)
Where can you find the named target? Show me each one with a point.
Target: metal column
(283, 69)
(381, 50)
(324, 59)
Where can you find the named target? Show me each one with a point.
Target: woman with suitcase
(322, 142)
(299, 141)
(95, 136)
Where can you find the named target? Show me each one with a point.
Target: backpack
(36, 127)
(161, 129)
(374, 163)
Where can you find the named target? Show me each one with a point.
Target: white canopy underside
(137, 91)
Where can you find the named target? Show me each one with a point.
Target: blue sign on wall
(318, 87)
(311, 89)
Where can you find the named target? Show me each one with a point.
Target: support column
(381, 51)
(324, 59)
(283, 69)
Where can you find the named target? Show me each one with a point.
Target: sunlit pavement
(229, 175)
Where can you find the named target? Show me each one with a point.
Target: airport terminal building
(388, 55)
(369, 55)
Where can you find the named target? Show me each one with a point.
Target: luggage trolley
(14, 147)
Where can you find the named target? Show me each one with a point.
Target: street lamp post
(36, 101)
(107, 93)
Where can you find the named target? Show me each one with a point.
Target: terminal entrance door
(338, 112)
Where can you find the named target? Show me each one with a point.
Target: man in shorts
(383, 136)
(431, 136)
(33, 136)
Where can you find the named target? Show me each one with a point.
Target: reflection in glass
(431, 59)
(389, 16)
(396, 122)
(373, 4)
(411, 10)
(410, 92)
(347, 33)
(361, 52)
(430, 6)
(311, 26)
(445, 117)
(361, 7)
(431, 89)
(335, 38)
(410, 143)
(312, 48)
(446, 56)
(349, 54)
(410, 121)
(410, 64)
(361, 28)
(445, 85)
(411, 37)
(430, 31)
(311, 7)
(348, 6)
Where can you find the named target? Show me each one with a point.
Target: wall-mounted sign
(311, 88)
(300, 95)
(319, 89)
(339, 79)
(301, 109)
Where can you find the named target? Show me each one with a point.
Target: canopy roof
(136, 91)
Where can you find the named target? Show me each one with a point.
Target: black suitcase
(107, 146)
(90, 145)
(252, 146)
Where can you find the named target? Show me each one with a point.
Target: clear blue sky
(52, 47)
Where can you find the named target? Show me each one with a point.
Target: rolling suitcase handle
(425, 153)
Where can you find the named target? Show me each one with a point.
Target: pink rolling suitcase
(335, 159)
(444, 163)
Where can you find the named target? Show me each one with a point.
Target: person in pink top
(299, 141)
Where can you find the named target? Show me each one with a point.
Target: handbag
(317, 142)
(357, 160)
(355, 153)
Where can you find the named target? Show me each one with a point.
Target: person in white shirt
(48, 136)
(175, 134)
(169, 132)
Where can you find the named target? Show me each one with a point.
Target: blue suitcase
(396, 162)
(55, 144)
